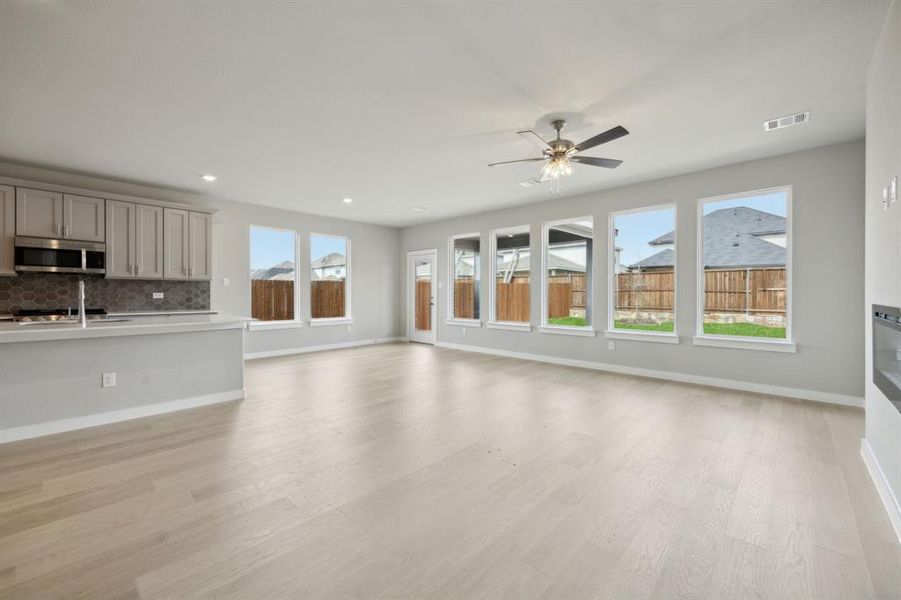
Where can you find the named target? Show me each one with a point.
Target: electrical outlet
(462, 331)
(158, 295)
(109, 380)
(349, 326)
(611, 345)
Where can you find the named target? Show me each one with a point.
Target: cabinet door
(83, 218)
(7, 229)
(149, 241)
(120, 239)
(199, 254)
(175, 237)
(39, 213)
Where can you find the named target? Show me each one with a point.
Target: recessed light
(347, 200)
(209, 177)
(418, 209)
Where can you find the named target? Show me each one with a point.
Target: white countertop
(137, 325)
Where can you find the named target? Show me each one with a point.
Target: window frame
(347, 319)
(646, 336)
(493, 323)
(450, 317)
(786, 344)
(297, 321)
(545, 327)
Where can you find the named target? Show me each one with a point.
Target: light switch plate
(158, 295)
(109, 380)
(611, 345)
(893, 190)
(226, 282)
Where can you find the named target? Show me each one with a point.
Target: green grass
(569, 321)
(744, 329)
(666, 326)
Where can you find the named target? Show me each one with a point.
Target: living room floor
(406, 471)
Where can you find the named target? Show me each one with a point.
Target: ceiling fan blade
(513, 162)
(602, 138)
(610, 163)
(534, 138)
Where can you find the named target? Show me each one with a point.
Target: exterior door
(422, 307)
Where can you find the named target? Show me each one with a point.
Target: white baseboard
(25, 432)
(892, 506)
(744, 386)
(320, 348)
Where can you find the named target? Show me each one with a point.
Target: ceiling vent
(529, 182)
(783, 122)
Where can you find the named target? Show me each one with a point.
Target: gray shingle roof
(730, 240)
(274, 271)
(554, 262)
(332, 259)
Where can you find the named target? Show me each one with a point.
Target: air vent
(788, 121)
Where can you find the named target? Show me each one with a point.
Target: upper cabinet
(83, 218)
(39, 213)
(7, 229)
(134, 240)
(200, 242)
(56, 215)
(188, 242)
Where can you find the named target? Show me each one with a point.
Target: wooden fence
(725, 290)
(273, 299)
(464, 299)
(512, 300)
(327, 299)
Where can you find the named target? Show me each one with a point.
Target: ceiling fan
(560, 154)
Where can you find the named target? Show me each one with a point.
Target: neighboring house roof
(275, 272)
(731, 240)
(332, 259)
(555, 262)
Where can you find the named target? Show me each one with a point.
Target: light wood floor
(404, 471)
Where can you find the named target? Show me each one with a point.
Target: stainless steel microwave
(38, 255)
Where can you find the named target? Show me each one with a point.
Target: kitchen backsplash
(56, 290)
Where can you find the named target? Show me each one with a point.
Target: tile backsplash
(56, 290)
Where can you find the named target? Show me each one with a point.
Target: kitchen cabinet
(84, 218)
(187, 242)
(56, 215)
(134, 240)
(199, 242)
(39, 213)
(7, 229)
(176, 232)
(149, 249)
(120, 239)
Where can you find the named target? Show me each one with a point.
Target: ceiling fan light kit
(559, 154)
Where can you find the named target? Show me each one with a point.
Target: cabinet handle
(65, 231)
(59, 230)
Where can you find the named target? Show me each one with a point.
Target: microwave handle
(84, 258)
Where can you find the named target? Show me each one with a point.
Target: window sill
(562, 330)
(266, 325)
(642, 336)
(745, 343)
(463, 322)
(334, 321)
(510, 326)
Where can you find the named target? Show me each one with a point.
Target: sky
(272, 246)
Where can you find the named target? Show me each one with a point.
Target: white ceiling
(402, 105)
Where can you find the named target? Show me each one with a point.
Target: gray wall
(374, 267)
(883, 231)
(827, 293)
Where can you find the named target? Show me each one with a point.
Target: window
(273, 255)
(745, 265)
(567, 270)
(329, 277)
(643, 270)
(465, 277)
(510, 270)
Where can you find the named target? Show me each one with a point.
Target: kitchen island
(59, 377)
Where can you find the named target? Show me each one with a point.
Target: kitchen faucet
(82, 317)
